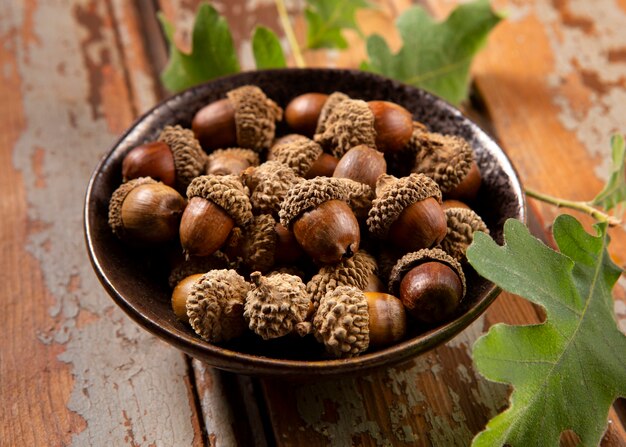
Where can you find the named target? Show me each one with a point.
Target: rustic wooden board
(73, 369)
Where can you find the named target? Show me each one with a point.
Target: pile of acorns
(338, 230)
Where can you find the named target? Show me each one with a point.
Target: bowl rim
(241, 362)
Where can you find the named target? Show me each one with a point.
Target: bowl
(136, 282)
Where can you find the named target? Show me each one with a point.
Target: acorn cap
(215, 305)
(198, 264)
(445, 158)
(342, 322)
(393, 195)
(269, 184)
(299, 154)
(331, 102)
(117, 199)
(462, 224)
(261, 239)
(255, 117)
(359, 196)
(189, 158)
(249, 155)
(410, 260)
(308, 194)
(227, 191)
(354, 271)
(276, 304)
(350, 124)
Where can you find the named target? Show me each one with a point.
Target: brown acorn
(362, 164)
(321, 220)
(180, 294)
(246, 118)
(449, 161)
(216, 205)
(349, 321)
(145, 211)
(305, 157)
(189, 158)
(393, 124)
(153, 159)
(430, 284)
(407, 212)
(303, 111)
(231, 161)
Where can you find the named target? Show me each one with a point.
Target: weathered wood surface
(75, 371)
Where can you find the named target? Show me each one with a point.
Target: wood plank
(73, 368)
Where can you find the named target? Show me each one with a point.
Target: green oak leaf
(327, 18)
(614, 191)
(266, 49)
(567, 371)
(435, 56)
(213, 53)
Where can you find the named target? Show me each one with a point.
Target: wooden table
(74, 370)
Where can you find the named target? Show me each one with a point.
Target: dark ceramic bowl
(136, 280)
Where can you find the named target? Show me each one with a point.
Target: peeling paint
(119, 371)
(575, 46)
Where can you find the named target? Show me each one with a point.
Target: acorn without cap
(276, 305)
(322, 222)
(145, 211)
(407, 212)
(245, 118)
(216, 205)
(362, 164)
(215, 305)
(349, 321)
(430, 284)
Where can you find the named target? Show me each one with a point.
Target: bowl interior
(136, 278)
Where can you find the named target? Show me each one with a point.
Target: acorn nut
(231, 161)
(153, 159)
(216, 205)
(322, 222)
(449, 161)
(180, 294)
(430, 284)
(303, 111)
(277, 305)
(145, 211)
(215, 305)
(393, 124)
(305, 157)
(349, 321)
(245, 118)
(362, 164)
(407, 212)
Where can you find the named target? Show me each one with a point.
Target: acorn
(393, 124)
(349, 321)
(153, 159)
(303, 111)
(145, 211)
(430, 284)
(189, 158)
(321, 220)
(216, 205)
(362, 164)
(407, 212)
(268, 185)
(400, 163)
(449, 161)
(231, 161)
(359, 271)
(329, 105)
(245, 118)
(276, 305)
(305, 157)
(215, 305)
(350, 124)
(462, 224)
(180, 294)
